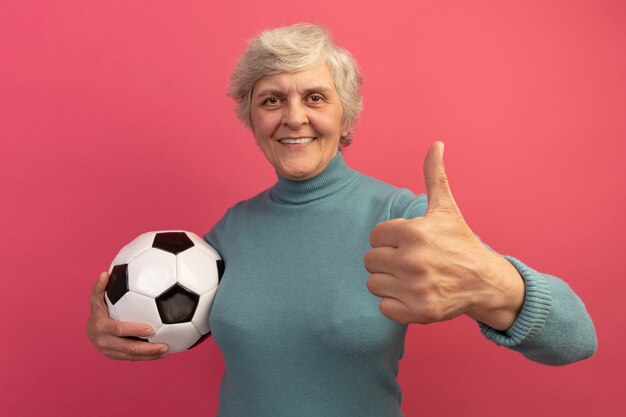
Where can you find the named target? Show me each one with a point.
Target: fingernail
(147, 331)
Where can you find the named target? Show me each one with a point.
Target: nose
(295, 115)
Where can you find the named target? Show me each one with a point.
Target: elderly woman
(326, 268)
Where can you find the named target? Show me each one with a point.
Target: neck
(335, 176)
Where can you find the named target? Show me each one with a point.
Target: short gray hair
(291, 49)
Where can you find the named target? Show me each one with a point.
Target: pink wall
(113, 121)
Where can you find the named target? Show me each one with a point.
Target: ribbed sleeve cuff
(537, 304)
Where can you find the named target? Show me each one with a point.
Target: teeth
(299, 140)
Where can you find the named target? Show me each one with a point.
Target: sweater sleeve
(215, 235)
(407, 205)
(553, 327)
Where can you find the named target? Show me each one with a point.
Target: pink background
(114, 121)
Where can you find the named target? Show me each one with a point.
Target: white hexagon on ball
(197, 271)
(152, 272)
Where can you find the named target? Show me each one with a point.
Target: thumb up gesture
(434, 268)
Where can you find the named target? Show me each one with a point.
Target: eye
(271, 101)
(315, 98)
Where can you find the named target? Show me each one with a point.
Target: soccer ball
(166, 279)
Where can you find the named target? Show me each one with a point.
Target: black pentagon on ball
(220, 269)
(118, 283)
(177, 305)
(173, 242)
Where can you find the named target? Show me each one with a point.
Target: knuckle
(93, 300)
(99, 287)
(119, 330)
(132, 353)
(100, 326)
(371, 284)
(416, 229)
(367, 260)
(99, 342)
(383, 229)
(92, 335)
(385, 307)
(388, 310)
(375, 235)
(442, 180)
(417, 289)
(408, 261)
(97, 301)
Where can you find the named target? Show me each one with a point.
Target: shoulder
(399, 202)
(231, 216)
(251, 203)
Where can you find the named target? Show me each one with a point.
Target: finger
(437, 186)
(124, 357)
(387, 233)
(383, 285)
(97, 295)
(125, 329)
(395, 309)
(101, 283)
(117, 336)
(380, 260)
(133, 350)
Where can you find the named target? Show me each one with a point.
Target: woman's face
(296, 121)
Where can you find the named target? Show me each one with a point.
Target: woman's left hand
(434, 268)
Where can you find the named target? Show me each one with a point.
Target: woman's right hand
(110, 336)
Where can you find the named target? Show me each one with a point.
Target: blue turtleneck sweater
(300, 333)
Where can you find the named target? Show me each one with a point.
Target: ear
(346, 131)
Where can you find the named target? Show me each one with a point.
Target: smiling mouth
(293, 141)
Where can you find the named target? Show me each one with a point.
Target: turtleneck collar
(334, 177)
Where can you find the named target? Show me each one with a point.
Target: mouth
(296, 141)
